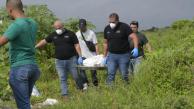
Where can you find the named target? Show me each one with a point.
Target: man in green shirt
(142, 43)
(21, 36)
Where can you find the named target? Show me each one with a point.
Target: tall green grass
(164, 81)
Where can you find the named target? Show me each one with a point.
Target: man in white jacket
(85, 35)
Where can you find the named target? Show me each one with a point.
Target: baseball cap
(82, 23)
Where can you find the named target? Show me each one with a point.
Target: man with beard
(21, 36)
(116, 47)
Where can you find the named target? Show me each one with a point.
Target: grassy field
(165, 79)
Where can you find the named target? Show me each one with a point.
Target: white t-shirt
(89, 36)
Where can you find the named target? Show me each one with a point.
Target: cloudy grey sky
(148, 12)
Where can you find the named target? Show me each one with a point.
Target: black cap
(82, 23)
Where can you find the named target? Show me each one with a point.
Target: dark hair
(134, 23)
(114, 15)
(16, 4)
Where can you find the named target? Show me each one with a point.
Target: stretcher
(81, 67)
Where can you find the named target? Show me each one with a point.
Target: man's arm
(3, 41)
(97, 49)
(105, 47)
(146, 43)
(95, 41)
(134, 38)
(78, 49)
(41, 44)
(149, 48)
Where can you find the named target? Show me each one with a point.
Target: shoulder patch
(108, 32)
(118, 31)
(55, 37)
(66, 36)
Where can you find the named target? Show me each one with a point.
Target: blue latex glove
(134, 52)
(80, 60)
(104, 61)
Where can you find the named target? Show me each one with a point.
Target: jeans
(63, 67)
(134, 64)
(115, 61)
(22, 80)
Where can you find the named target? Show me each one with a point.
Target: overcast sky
(148, 12)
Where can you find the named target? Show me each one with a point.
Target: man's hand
(134, 38)
(134, 52)
(3, 40)
(104, 61)
(41, 44)
(80, 60)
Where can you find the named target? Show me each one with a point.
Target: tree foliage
(45, 19)
(72, 24)
(180, 24)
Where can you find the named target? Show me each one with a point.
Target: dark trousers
(85, 79)
(83, 76)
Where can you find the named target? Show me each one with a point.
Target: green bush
(45, 19)
(180, 24)
(72, 24)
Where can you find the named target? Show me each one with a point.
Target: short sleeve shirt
(118, 38)
(89, 35)
(21, 35)
(142, 39)
(64, 44)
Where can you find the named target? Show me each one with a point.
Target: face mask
(112, 25)
(59, 31)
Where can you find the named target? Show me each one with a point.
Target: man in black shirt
(116, 47)
(66, 49)
(142, 43)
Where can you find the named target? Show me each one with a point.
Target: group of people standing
(123, 50)
(123, 47)
(71, 49)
